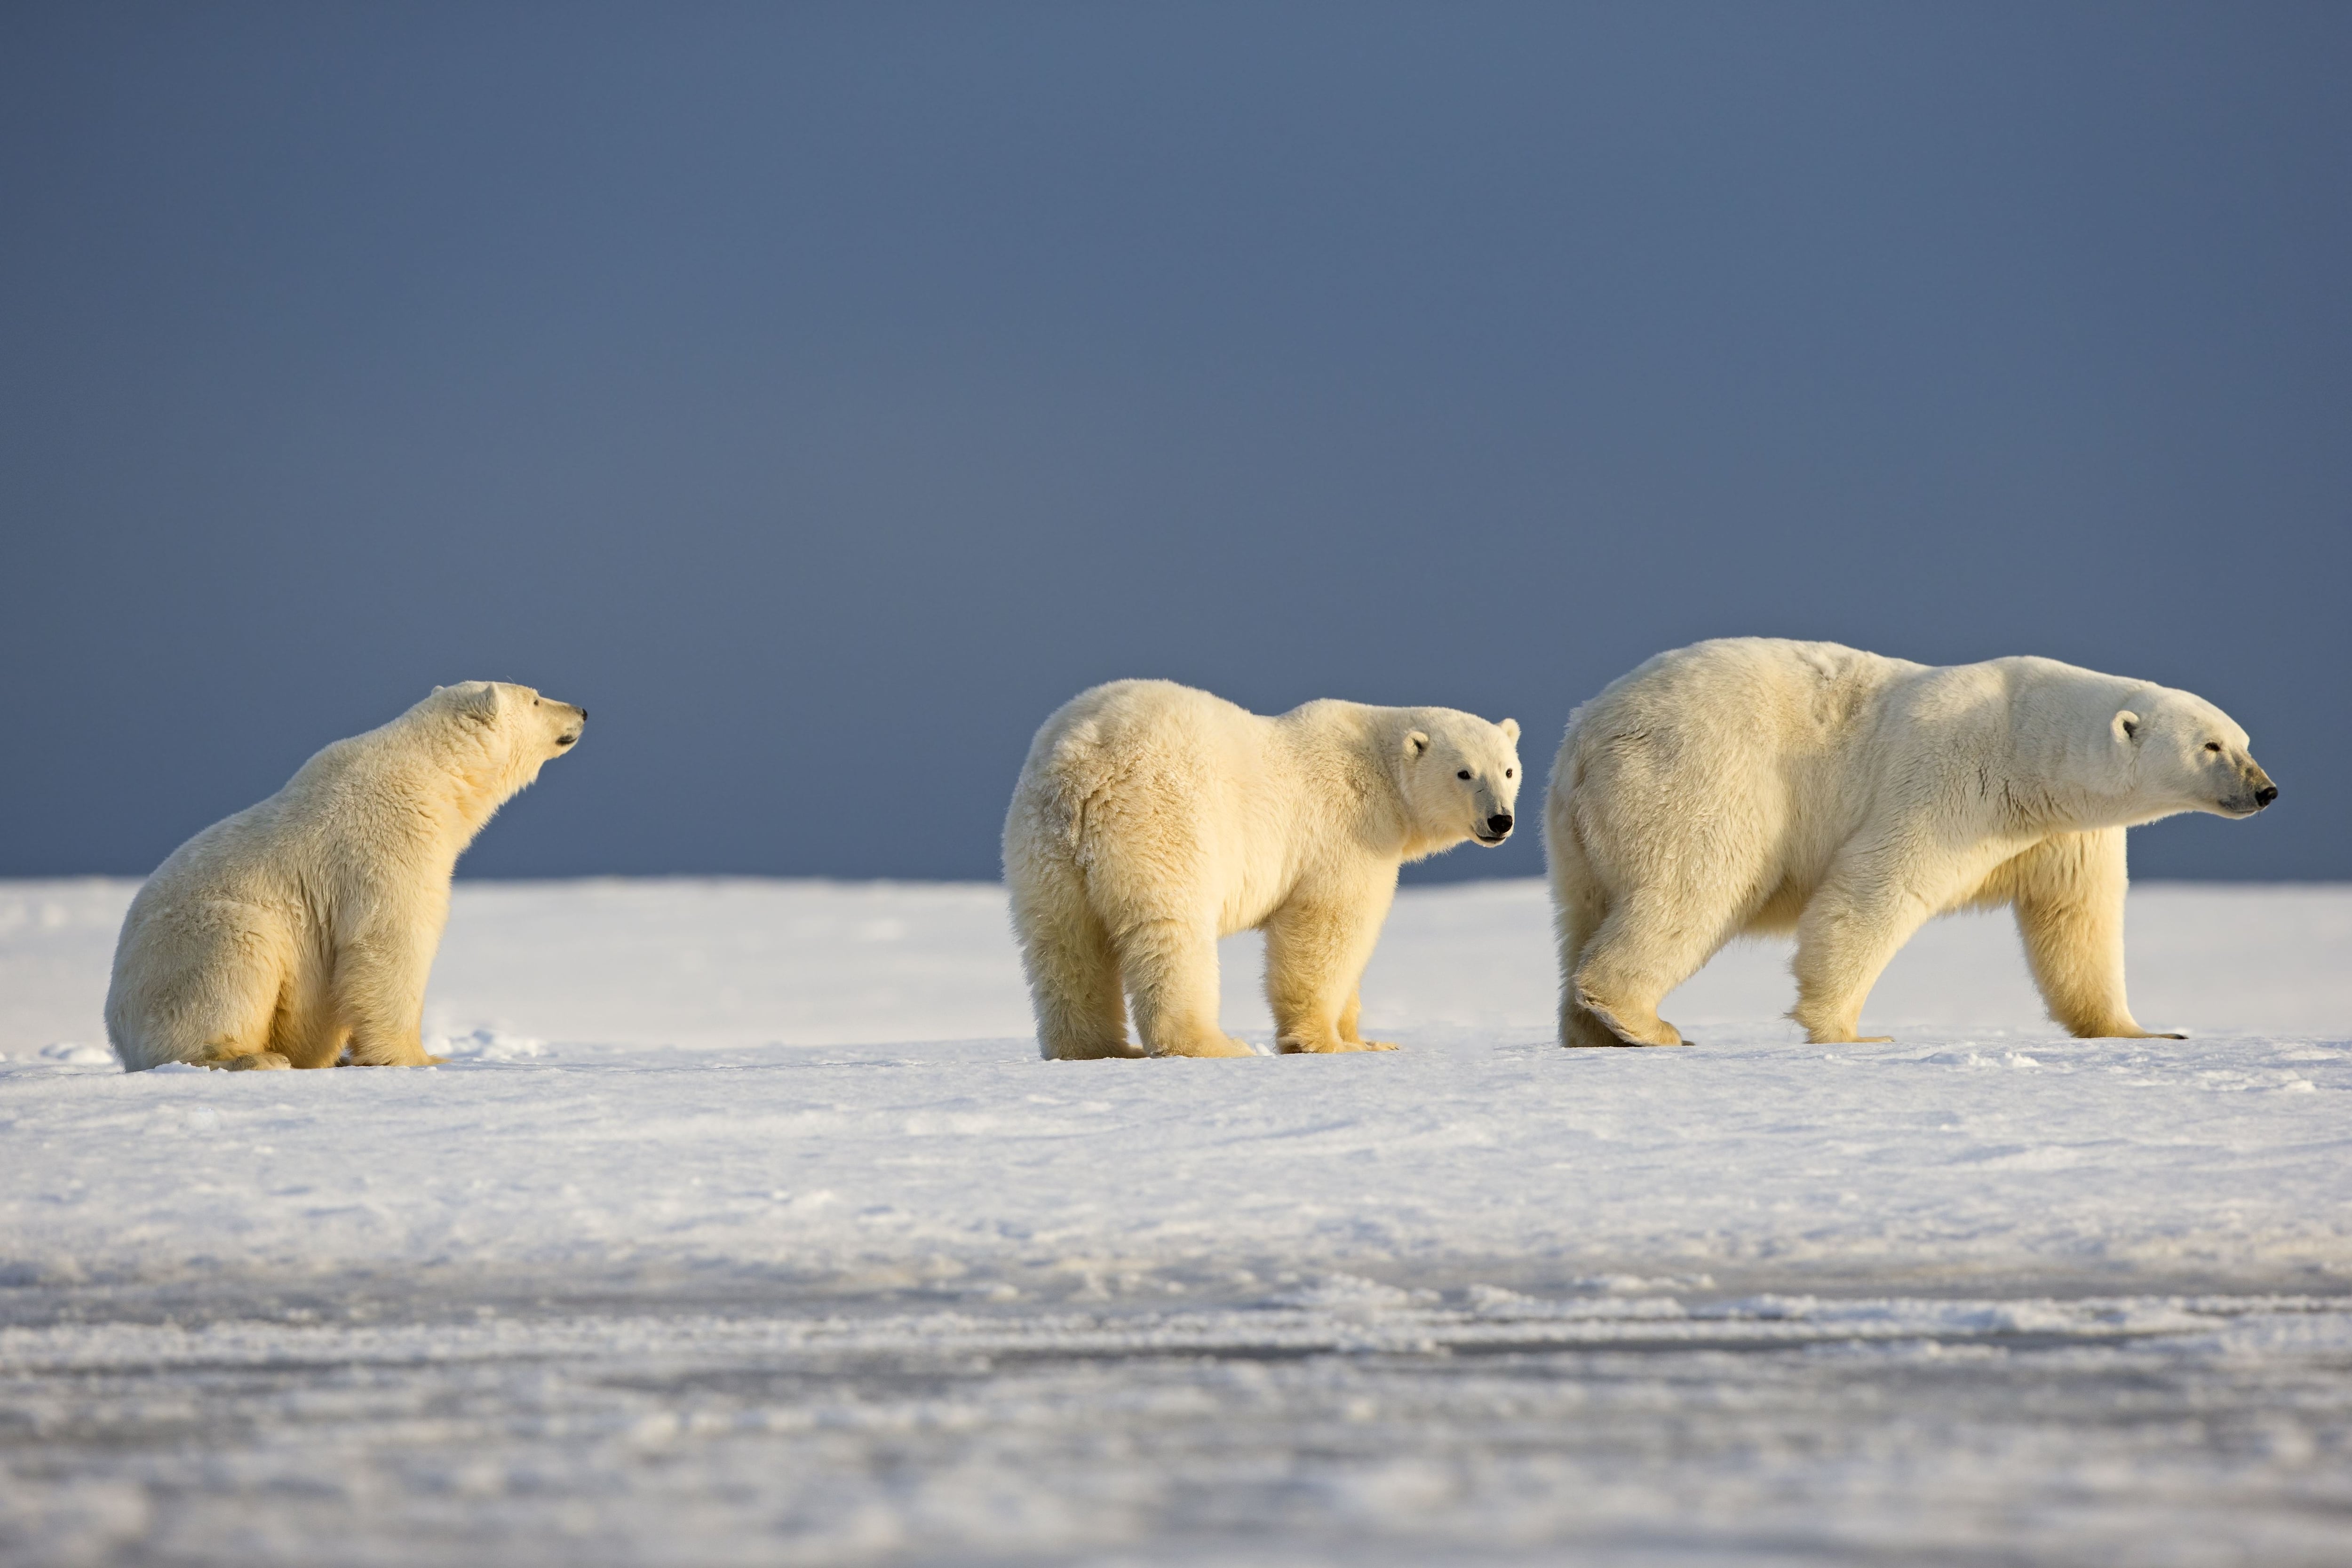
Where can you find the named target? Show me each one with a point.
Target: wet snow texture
(746, 1228)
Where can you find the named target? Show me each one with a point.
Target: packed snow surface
(745, 1225)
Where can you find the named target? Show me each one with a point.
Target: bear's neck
(437, 802)
(476, 794)
(2057, 781)
(1398, 833)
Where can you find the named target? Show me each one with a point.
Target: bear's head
(504, 733)
(1460, 776)
(2179, 753)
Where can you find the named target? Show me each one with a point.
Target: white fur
(1752, 784)
(1150, 819)
(307, 925)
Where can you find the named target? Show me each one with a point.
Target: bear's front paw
(1297, 1046)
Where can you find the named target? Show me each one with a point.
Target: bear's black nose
(2266, 795)
(1500, 823)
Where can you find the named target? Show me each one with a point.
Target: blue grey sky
(822, 394)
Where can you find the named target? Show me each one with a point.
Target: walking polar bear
(306, 926)
(1150, 819)
(1751, 784)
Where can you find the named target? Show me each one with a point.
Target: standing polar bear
(307, 925)
(1751, 784)
(1150, 819)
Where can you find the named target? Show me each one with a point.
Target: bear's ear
(1415, 742)
(2126, 726)
(1510, 729)
(481, 704)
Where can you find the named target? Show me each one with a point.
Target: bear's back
(1126, 727)
(1689, 705)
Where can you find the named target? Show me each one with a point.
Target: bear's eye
(1463, 774)
(1510, 772)
(2213, 745)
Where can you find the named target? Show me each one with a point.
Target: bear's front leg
(1349, 1018)
(379, 996)
(1316, 950)
(2067, 893)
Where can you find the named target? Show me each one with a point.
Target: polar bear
(1753, 784)
(304, 926)
(1150, 819)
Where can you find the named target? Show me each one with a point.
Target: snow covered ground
(746, 1226)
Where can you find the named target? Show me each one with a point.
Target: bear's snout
(1499, 824)
(2264, 791)
(2254, 792)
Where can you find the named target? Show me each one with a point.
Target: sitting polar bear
(1150, 819)
(1751, 784)
(307, 925)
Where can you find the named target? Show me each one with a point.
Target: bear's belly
(1782, 907)
(1246, 907)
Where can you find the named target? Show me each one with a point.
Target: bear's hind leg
(306, 1030)
(1872, 902)
(247, 1062)
(1171, 977)
(1579, 906)
(2068, 896)
(1645, 947)
(211, 1007)
(1073, 972)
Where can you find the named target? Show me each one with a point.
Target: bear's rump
(1738, 824)
(203, 980)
